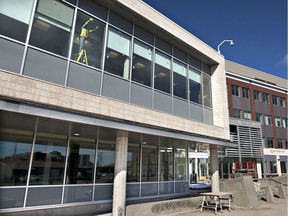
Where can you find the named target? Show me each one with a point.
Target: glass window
(270, 142)
(195, 87)
(207, 91)
(133, 158)
(16, 137)
(180, 160)
(81, 158)
(237, 113)
(257, 96)
(195, 63)
(265, 98)
(52, 26)
(179, 79)
(268, 120)
(272, 166)
(247, 115)
(14, 18)
(277, 122)
(284, 122)
(49, 153)
(117, 53)
(282, 102)
(245, 92)
(280, 143)
(142, 63)
(162, 79)
(88, 40)
(235, 90)
(105, 156)
(166, 160)
(283, 167)
(149, 159)
(275, 100)
(259, 117)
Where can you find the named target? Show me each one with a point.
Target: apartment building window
(265, 98)
(237, 113)
(284, 122)
(270, 142)
(268, 120)
(282, 102)
(280, 143)
(283, 167)
(259, 117)
(277, 122)
(247, 115)
(275, 100)
(245, 92)
(257, 96)
(235, 90)
(272, 165)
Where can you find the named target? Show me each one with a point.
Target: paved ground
(277, 208)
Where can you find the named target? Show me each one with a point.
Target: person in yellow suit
(84, 34)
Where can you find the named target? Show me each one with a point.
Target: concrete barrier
(163, 207)
(244, 193)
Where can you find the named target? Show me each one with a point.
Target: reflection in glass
(207, 91)
(15, 17)
(117, 53)
(142, 66)
(106, 156)
(162, 79)
(166, 160)
(88, 40)
(48, 159)
(133, 162)
(179, 80)
(81, 161)
(15, 154)
(180, 160)
(52, 26)
(195, 86)
(149, 163)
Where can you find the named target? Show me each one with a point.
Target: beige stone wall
(26, 89)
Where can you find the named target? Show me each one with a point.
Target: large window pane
(180, 160)
(195, 87)
(88, 40)
(133, 158)
(117, 53)
(106, 156)
(15, 17)
(166, 160)
(49, 153)
(142, 66)
(162, 79)
(207, 91)
(149, 159)
(179, 80)
(16, 136)
(52, 26)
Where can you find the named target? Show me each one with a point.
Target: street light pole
(231, 44)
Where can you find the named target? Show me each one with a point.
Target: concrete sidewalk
(277, 208)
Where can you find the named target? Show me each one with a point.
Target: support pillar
(119, 188)
(214, 168)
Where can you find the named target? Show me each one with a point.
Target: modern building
(101, 101)
(258, 120)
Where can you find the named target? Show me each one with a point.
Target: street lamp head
(231, 44)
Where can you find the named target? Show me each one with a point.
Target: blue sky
(257, 27)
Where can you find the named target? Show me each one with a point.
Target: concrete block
(269, 194)
(282, 194)
(244, 193)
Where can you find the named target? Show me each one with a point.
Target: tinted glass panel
(94, 8)
(11, 198)
(78, 194)
(16, 137)
(166, 160)
(52, 26)
(133, 158)
(49, 196)
(15, 17)
(195, 87)
(162, 78)
(142, 63)
(179, 80)
(88, 40)
(117, 59)
(207, 91)
(180, 160)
